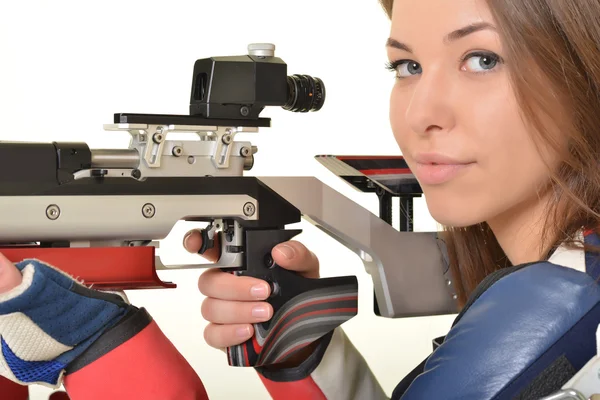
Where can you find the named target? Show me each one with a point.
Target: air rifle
(97, 214)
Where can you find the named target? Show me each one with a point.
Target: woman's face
(454, 114)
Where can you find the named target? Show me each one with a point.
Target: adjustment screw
(261, 49)
(177, 151)
(158, 138)
(249, 209)
(52, 212)
(226, 138)
(244, 151)
(148, 210)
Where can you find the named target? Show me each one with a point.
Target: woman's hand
(233, 303)
(45, 321)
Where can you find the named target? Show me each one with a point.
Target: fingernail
(186, 237)
(287, 251)
(243, 332)
(260, 312)
(260, 291)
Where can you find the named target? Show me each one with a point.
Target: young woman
(496, 108)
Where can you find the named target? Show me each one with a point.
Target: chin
(455, 213)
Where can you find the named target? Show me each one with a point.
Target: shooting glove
(50, 320)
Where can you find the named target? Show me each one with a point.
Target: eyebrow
(451, 37)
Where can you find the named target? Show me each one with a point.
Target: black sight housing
(240, 87)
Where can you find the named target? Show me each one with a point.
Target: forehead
(414, 18)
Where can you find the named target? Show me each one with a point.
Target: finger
(225, 286)
(222, 336)
(10, 276)
(294, 256)
(235, 312)
(192, 242)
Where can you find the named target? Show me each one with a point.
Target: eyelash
(393, 65)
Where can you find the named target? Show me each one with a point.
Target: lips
(438, 158)
(437, 168)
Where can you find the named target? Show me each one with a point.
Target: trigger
(207, 243)
(210, 248)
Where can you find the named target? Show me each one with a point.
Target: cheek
(510, 161)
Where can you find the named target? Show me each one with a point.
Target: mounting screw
(52, 212)
(177, 151)
(244, 111)
(148, 210)
(249, 209)
(226, 138)
(244, 151)
(158, 138)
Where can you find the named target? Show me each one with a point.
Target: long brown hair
(552, 50)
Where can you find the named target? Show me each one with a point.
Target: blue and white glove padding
(49, 320)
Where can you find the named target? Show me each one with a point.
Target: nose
(431, 107)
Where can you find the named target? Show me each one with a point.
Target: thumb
(10, 276)
(294, 256)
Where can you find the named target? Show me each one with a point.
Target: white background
(67, 66)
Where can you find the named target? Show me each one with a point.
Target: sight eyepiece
(305, 93)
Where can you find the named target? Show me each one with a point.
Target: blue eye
(485, 61)
(404, 68)
(408, 68)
